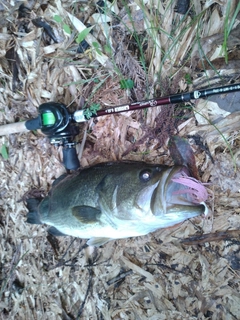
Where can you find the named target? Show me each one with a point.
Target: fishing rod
(55, 121)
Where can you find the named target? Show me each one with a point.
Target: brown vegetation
(163, 52)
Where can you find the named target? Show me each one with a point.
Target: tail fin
(33, 215)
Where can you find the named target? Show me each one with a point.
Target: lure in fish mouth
(178, 192)
(119, 200)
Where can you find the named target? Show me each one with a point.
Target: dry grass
(151, 277)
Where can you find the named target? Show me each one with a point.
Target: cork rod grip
(13, 128)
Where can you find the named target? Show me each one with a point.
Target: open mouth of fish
(179, 194)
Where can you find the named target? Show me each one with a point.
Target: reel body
(57, 124)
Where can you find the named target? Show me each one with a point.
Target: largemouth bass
(119, 200)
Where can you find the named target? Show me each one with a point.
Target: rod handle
(16, 127)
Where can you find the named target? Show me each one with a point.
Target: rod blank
(176, 98)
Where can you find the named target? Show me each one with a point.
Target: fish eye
(145, 175)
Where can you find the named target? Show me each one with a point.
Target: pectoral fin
(86, 214)
(97, 242)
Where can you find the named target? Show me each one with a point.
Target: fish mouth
(179, 194)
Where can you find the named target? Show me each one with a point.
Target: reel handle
(70, 158)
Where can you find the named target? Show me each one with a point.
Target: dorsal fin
(59, 179)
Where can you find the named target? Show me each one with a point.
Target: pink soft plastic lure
(196, 189)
